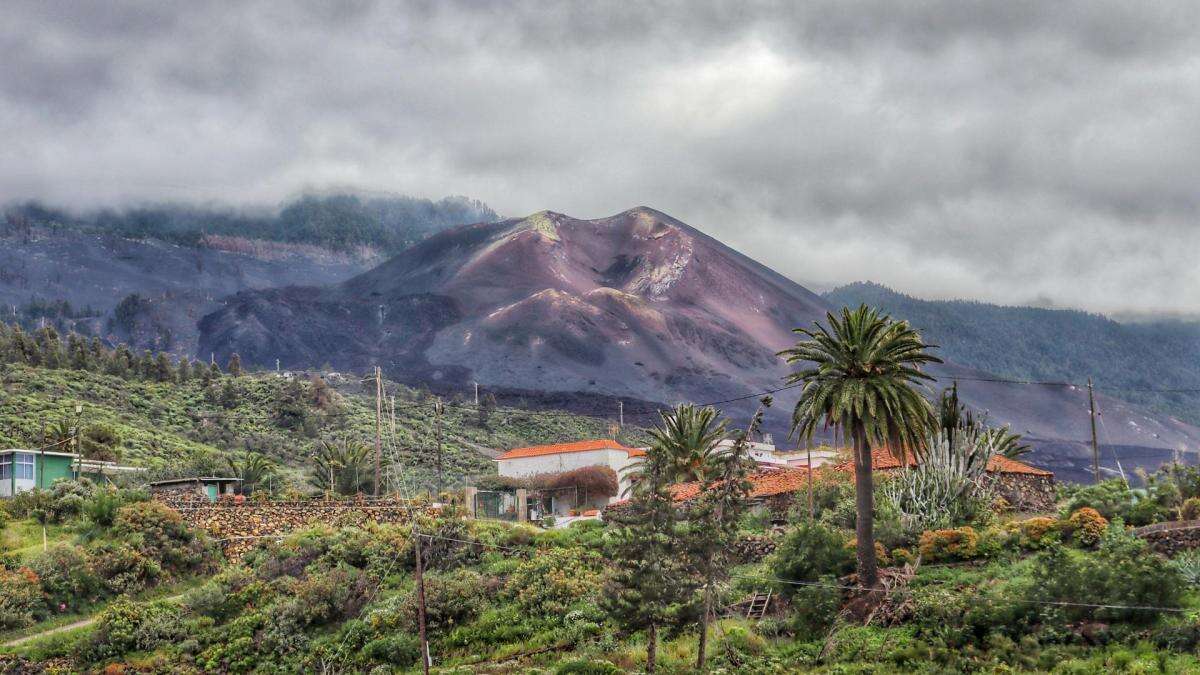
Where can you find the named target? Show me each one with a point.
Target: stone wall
(1025, 492)
(239, 525)
(1171, 538)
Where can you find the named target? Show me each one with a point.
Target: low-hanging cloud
(1001, 151)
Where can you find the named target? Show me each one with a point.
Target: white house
(562, 457)
(765, 453)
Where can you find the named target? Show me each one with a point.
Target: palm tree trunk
(864, 500)
(651, 647)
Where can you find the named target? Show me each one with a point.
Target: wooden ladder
(759, 603)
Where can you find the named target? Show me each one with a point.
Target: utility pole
(621, 414)
(420, 579)
(378, 423)
(476, 394)
(437, 412)
(1095, 443)
(812, 514)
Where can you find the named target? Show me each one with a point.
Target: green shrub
(159, 533)
(1190, 509)
(587, 667)
(1113, 498)
(1122, 571)
(67, 577)
(451, 599)
(127, 626)
(549, 582)
(815, 607)
(20, 597)
(124, 568)
(995, 541)
(957, 544)
(398, 650)
(809, 552)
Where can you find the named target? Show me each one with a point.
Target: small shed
(211, 487)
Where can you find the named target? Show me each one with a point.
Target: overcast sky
(1012, 152)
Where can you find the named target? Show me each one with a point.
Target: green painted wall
(51, 468)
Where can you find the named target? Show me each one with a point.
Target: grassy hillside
(1042, 344)
(181, 427)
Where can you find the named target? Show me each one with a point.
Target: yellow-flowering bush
(1087, 525)
(958, 544)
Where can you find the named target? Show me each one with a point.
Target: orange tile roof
(765, 482)
(883, 460)
(577, 446)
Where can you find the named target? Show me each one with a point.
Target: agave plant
(1187, 564)
(947, 485)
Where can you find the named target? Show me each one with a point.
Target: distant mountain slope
(638, 305)
(145, 276)
(172, 427)
(1124, 359)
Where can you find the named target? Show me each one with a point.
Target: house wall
(614, 459)
(52, 467)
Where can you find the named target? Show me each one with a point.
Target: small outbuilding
(209, 487)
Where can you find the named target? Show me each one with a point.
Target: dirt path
(70, 626)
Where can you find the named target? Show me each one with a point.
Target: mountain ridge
(637, 304)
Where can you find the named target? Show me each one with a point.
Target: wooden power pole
(419, 575)
(378, 423)
(1095, 443)
(437, 413)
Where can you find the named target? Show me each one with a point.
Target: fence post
(522, 505)
(469, 497)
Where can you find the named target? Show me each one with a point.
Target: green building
(22, 470)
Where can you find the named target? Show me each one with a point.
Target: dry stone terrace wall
(240, 525)
(1025, 492)
(1171, 538)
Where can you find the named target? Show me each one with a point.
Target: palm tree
(862, 372)
(342, 468)
(254, 469)
(954, 418)
(687, 438)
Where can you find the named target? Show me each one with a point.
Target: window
(23, 465)
(6, 466)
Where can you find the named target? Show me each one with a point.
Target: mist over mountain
(145, 275)
(334, 220)
(1125, 359)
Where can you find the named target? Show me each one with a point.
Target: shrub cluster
(143, 543)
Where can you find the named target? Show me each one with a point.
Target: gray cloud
(1003, 151)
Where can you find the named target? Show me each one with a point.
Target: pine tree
(77, 352)
(184, 372)
(162, 368)
(98, 355)
(651, 587)
(235, 365)
(214, 370)
(49, 347)
(229, 394)
(121, 363)
(713, 518)
(145, 365)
